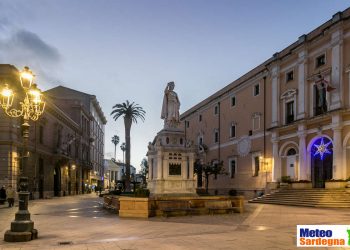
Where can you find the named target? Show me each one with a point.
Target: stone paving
(78, 222)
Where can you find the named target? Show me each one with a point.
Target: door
(291, 160)
(321, 162)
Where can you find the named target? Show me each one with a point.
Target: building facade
(86, 111)
(66, 144)
(114, 173)
(289, 116)
(53, 167)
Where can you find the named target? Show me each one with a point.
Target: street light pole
(31, 108)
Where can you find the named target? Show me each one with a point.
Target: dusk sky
(129, 50)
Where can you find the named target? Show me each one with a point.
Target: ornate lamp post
(30, 108)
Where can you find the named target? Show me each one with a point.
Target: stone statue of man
(171, 106)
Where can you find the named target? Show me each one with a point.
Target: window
(216, 136)
(320, 60)
(256, 121)
(256, 89)
(289, 76)
(233, 101)
(232, 168)
(216, 110)
(256, 166)
(320, 100)
(200, 140)
(289, 112)
(187, 124)
(41, 135)
(200, 118)
(291, 151)
(233, 130)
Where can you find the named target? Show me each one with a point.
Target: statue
(171, 106)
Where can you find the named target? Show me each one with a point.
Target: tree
(144, 169)
(206, 170)
(115, 141)
(130, 112)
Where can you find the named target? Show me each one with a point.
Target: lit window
(256, 166)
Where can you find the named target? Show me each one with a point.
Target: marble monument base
(172, 188)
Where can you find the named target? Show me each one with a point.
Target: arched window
(291, 151)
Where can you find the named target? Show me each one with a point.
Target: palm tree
(123, 148)
(130, 112)
(115, 141)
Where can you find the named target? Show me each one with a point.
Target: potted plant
(285, 181)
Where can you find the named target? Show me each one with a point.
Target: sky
(129, 50)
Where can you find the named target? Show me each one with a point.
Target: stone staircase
(307, 197)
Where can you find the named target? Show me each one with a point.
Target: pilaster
(275, 96)
(302, 86)
(302, 170)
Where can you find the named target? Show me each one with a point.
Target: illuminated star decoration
(322, 149)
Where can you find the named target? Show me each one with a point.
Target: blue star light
(322, 149)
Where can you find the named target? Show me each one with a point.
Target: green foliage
(286, 179)
(142, 192)
(212, 168)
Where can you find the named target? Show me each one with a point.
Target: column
(337, 147)
(302, 87)
(150, 170)
(159, 166)
(302, 170)
(276, 167)
(336, 98)
(275, 96)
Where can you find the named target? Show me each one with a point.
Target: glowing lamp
(26, 78)
(7, 97)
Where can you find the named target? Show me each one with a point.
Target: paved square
(78, 222)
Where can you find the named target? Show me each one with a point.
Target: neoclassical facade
(289, 116)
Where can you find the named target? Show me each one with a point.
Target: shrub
(286, 179)
(142, 192)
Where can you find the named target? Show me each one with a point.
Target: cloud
(23, 47)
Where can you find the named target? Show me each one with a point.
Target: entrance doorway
(291, 163)
(57, 181)
(321, 162)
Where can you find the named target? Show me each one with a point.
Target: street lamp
(265, 169)
(30, 108)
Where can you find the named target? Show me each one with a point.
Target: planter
(301, 185)
(335, 184)
(284, 185)
(133, 207)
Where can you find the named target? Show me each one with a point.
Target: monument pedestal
(171, 162)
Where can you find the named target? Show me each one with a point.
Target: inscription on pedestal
(174, 168)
